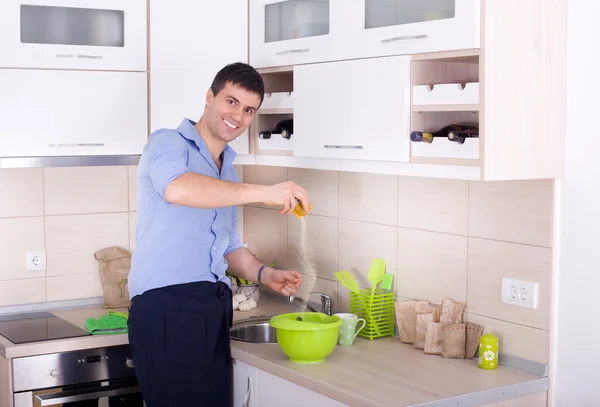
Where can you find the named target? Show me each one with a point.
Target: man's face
(230, 112)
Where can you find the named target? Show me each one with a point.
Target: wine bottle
(284, 128)
(427, 137)
(459, 136)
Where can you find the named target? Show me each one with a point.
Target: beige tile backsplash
(70, 213)
(441, 238)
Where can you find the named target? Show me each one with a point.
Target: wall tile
(264, 175)
(75, 190)
(17, 237)
(28, 291)
(490, 261)
(316, 284)
(516, 340)
(322, 237)
(369, 198)
(515, 211)
(61, 288)
(133, 187)
(322, 189)
(431, 266)
(133, 217)
(360, 243)
(239, 169)
(439, 205)
(266, 235)
(21, 192)
(71, 241)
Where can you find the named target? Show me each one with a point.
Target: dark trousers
(179, 337)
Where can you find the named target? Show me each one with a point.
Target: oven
(103, 377)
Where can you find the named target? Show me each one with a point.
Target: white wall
(576, 373)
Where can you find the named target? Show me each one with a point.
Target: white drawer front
(73, 34)
(70, 113)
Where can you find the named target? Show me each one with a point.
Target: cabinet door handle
(343, 147)
(292, 51)
(76, 145)
(84, 56)
(404, 37)
(247, 398)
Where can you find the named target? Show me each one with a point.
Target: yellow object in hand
(299, 210)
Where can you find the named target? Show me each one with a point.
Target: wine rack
(277, 106)
(445, 90)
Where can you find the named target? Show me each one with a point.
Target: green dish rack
(379, 313)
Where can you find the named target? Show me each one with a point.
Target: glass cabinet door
(385, 13)
(292, 19)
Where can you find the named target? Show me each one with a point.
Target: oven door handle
(53, 399)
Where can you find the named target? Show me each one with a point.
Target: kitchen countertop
(382, 372)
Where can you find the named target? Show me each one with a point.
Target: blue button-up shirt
(179, 244)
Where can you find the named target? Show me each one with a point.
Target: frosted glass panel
(72, 26)
(296, 19)
(384, 13)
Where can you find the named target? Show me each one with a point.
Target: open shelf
(445, 108)
(445, 90)
(277, 105)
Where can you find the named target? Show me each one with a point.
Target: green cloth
(113, 323)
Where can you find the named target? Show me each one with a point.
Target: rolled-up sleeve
(166, 155)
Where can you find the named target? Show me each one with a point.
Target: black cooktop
(37, 327)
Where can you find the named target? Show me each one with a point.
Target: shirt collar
(188, 131)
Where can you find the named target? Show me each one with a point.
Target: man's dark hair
(242, 75)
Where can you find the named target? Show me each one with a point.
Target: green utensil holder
(379, 312)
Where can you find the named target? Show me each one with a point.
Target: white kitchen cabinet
(244, 385)
(274, 391)
(74, 34)
(292, 32)
(353, 109)
(72, 113)
(185, 57)
(398, 27)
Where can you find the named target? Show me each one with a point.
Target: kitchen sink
(254, 329)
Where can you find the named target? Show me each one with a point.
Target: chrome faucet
(326, 302)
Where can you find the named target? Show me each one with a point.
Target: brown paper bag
(474, 331)
(406, 320)
(421, 329)
(434, 338)
(452, 311)
(115, 264)
(454, 345)
(424, 313)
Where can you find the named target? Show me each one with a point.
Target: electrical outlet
(36, 261)
(519, 293)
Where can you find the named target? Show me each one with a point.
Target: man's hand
(284, 282)
(285, 194)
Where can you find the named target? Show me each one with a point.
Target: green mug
(348, 329)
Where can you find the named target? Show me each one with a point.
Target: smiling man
(187, 237)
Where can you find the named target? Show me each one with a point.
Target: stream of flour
(308, 266)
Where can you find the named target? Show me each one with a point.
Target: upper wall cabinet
(73, 34)
(393, 27)
(51, 112)
(358, 110)
(291, 32)
(297, 32)
(182, 74)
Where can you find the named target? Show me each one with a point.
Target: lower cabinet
(253, 387)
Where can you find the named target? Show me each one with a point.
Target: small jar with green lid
(488, 352)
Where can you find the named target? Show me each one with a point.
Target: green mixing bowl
(306, 337)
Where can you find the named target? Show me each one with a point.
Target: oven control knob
(55, 373)
(129, 363)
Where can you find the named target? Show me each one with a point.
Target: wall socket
(36, 261)
(519, 293)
